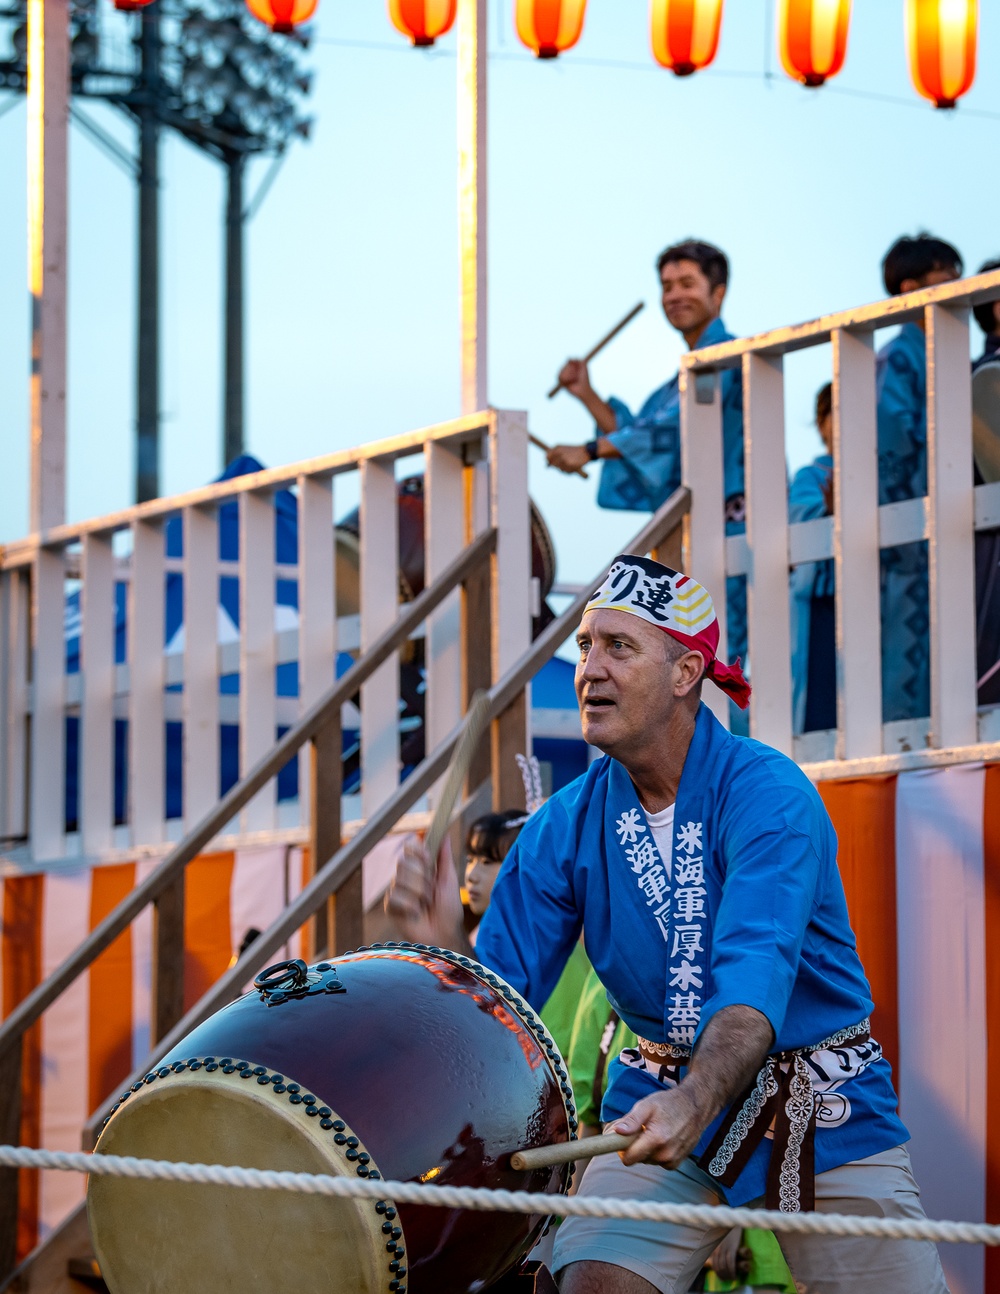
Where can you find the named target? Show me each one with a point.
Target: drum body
(399, 1062)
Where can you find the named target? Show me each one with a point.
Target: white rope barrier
(477, 1198)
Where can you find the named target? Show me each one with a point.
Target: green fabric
(559, 1012)
(582, 1056)
(768, 1266)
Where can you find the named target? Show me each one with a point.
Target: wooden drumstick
(477, 720)
(540, 444)
(608, 336)
(568, 1152)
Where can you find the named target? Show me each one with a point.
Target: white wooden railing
(947, 518)
(475, 476)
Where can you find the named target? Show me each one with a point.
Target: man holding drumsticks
(640, 453)
(702, 869)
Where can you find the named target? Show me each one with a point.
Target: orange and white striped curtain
(920, 858)
(92, 1038)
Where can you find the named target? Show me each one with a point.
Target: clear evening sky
(597, 161)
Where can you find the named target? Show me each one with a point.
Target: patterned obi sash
(793, 1091)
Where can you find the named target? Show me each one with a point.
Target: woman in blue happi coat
(702, 869)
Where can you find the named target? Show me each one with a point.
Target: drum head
(168, 1236)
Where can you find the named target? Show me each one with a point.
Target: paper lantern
(548, 27)
(282, 15)
(812, 37)
(129, 6)
(423, 21)
(941, 35)
(685, 33)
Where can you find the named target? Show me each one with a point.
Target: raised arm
(575, 377)
(423, 900)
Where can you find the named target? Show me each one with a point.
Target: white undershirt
(662, 826)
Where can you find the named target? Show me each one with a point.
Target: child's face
(480, 873)
(825, 428)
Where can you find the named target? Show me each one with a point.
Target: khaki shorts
(669, 1257)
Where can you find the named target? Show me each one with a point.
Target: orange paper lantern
(812, 37)
(423, 21)
(282, 15)
(685, 33)
(942, 40)
(548, 27)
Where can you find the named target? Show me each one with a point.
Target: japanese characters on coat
(682, 928)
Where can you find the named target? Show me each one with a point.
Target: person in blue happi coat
(702, 869)
(901, 376)
(640, 454)
(814, 637)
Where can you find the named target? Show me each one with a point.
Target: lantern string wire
(483, 1200)
(765, 75)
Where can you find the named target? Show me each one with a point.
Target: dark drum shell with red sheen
(440, 1069)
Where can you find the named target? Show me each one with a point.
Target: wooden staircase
(65, 1262)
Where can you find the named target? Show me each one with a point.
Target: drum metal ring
(288, 974)
(290, 980)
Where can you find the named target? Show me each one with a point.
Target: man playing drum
(702, 869)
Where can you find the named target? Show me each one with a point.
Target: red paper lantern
(685, 33)
(812, 36)
(129, 6)
(423, 21)
(942, 40)
(548, 27)
(282, 15)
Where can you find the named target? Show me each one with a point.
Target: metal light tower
(215, 75)
(146, 99)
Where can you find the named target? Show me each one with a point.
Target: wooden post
(511, 606)
(146, 758)
(704, 528)
(380, 695)
(201, 674)
(97, 762)
(15, 625)
(767, 538)
(337, 926)
(48, 715)
(257, 649)
(48, 140)
(444, 537)
(670, 550)
(320, 762)
(950, 528)
(168, 959)
(10, 1135)
(472, 199)
(855, 546)
(477, 666)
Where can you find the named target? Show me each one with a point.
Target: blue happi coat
(809, 580)
(649, 442)
(750, 910)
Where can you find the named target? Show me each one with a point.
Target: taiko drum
(397, 1062)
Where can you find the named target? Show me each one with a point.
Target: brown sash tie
(781, 1097)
